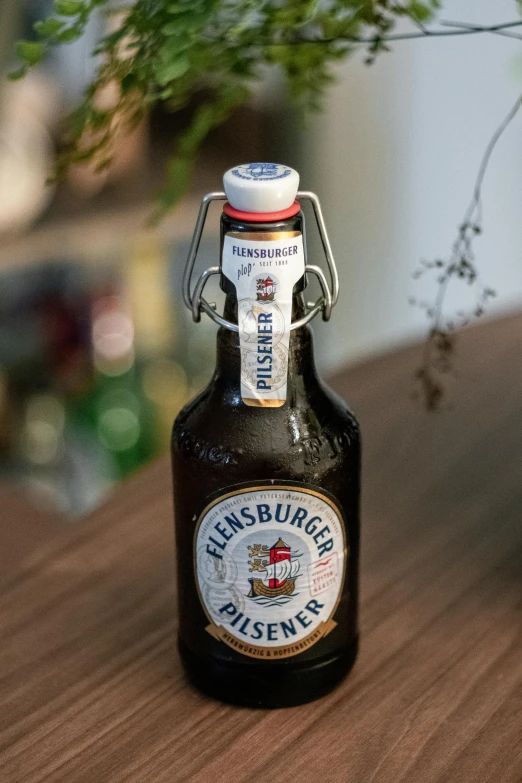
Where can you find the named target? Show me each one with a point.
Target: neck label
(264, 267)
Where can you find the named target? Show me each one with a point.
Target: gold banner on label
(271, 653)
(263, 403)
(263, 236)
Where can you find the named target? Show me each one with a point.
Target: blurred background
(98, 353)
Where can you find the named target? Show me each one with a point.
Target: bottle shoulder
(339, 408)
(220, 409)
(312, 430)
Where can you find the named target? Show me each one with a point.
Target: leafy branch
(208, 55)
(459, 266)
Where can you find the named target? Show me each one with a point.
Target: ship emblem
(266, 290)
(279, 573)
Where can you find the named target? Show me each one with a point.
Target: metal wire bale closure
(197, 304)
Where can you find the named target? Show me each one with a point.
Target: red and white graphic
(323, 574)
(266, 289)
(279, 571)
(278, 553)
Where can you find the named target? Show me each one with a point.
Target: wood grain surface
(91, 688)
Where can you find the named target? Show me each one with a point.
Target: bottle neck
(302, 373)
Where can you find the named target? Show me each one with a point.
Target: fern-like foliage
(173, 50)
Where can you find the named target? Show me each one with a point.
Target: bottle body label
(270, 564)
(264, 268)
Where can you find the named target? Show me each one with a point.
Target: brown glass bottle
(221, 446)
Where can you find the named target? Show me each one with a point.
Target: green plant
(173, 51)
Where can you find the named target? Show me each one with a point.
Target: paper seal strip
(264, 267)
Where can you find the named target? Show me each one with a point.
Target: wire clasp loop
(195, 301)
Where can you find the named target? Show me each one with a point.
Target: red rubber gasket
(261, 217)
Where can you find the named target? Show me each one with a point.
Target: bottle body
(274, 484)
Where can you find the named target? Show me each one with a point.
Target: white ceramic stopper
(261, 187)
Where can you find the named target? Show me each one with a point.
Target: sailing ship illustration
(279, 570)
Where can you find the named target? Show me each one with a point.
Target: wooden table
(91, 687)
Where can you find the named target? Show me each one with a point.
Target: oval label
(270, 566)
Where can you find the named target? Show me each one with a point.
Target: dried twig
(459, 29)
(460, 265)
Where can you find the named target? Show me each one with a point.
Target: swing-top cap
(261, 187)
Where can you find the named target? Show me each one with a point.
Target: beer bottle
(266, 466)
